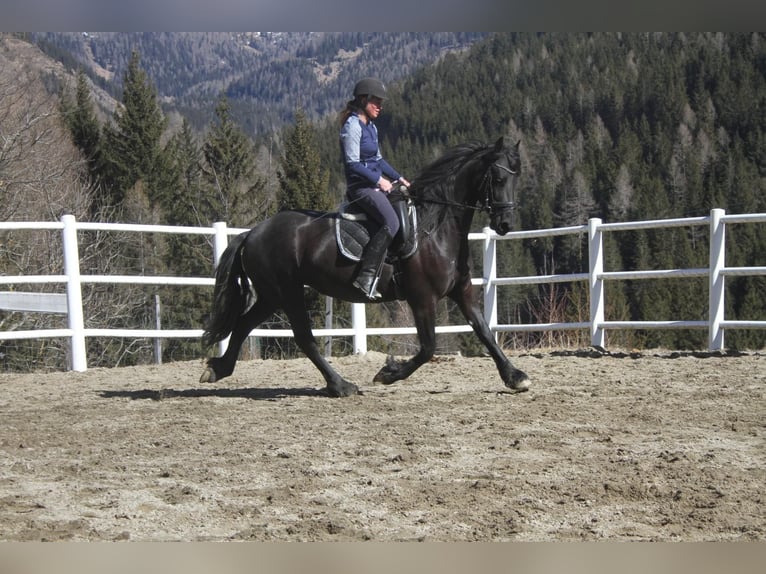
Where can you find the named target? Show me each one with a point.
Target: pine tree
(80, 118)
(133, 148)
(138, 178)
(188, 199)
(189, 255)
(303, 181)
(303, 184)
(230, 170)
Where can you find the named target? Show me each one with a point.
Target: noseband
(490, 205)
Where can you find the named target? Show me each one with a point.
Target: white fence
(77, 331)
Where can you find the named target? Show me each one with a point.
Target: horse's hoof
(519, 382)
(343, 389)
(388, 374)
(386, 377)
(381, 377)
(208, 376)
(520, 387)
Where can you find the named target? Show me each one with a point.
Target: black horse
(266, 268)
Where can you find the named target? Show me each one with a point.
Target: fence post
(596, 268)
(717, 286)
(358, 324)
(158, 326)
(490, 274)
(76, 322)
(328, 325)
(220, 241)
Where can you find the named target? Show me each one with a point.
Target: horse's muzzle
(501, 223)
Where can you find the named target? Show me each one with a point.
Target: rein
(488, 205)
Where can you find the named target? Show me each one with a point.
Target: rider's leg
(379, 208)
(372, 259)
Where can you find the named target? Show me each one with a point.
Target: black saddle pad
(352, 235)
(353, 230)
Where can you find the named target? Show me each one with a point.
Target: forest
(620, 126)
(265, 76)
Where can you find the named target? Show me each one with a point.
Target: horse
(266, 268)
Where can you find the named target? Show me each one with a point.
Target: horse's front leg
(425, 323)
(515, 379)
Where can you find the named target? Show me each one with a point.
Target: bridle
(489, 204)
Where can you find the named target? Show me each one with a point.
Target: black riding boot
(372, 260)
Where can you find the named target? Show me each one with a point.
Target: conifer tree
(188, 198)
(230, 171)
(303, 184)
(303, 181)
(133, 148)
(189, 255)
(80, 118)
(138, 178)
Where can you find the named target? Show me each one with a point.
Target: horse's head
(470, 176)
(503, 166)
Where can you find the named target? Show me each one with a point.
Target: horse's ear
(517, 145)
(499, 144)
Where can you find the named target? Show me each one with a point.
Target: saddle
(353, 229)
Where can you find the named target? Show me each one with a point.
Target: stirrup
(368, 288)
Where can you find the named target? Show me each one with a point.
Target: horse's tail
(230, 295)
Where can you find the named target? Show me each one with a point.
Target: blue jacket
(361, 154)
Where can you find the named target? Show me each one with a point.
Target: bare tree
(39, 167)
(42, 177)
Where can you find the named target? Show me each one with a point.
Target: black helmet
(370, 87)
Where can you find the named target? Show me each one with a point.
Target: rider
(369, 177)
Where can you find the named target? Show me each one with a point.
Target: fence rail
(77, 332)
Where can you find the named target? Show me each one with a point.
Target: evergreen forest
(619, 126)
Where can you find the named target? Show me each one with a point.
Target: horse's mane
(435, 184)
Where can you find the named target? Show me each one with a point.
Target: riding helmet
(370, 87)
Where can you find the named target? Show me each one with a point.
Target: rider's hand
(404, 182)
(384, 185)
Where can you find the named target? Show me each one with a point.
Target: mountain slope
(266, 76)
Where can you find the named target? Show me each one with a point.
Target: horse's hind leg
(295, 308)
(223, 366)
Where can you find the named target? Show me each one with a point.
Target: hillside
(615, 126)
(266, 75)
(40, 168)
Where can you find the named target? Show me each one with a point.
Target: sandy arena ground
(659, 446)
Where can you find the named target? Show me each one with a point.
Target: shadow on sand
(266, 394)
